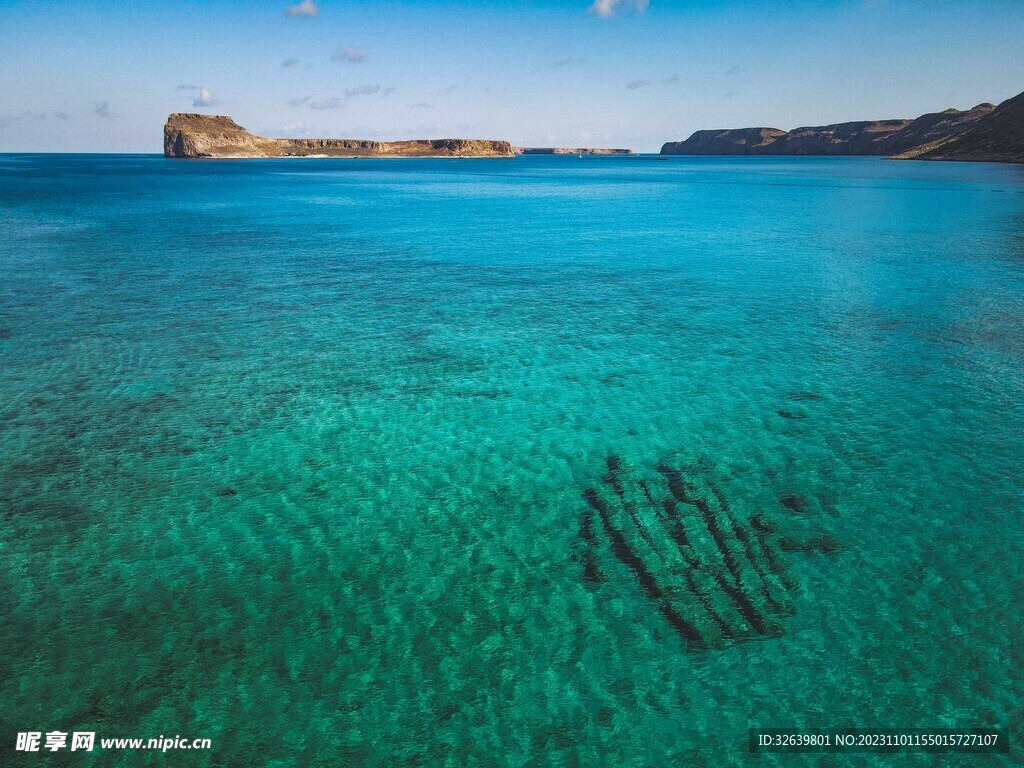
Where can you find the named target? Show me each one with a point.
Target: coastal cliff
(997, 137)
(193, 135)
(571, 151)
(864, 137)
(729, 141)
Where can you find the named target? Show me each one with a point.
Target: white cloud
(337, 102)
(205, 99)
(102, 108)
(332, 103)
(350, 55)
(202, 97)
(306, 8)
(605, 9)
(362, 90)
(295, 130)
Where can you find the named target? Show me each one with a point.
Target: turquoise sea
(535, 462)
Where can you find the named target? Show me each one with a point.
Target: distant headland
(193, 135)
(986, 133)
(571, 151)
(997, 137)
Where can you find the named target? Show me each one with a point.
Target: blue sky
(102, 76)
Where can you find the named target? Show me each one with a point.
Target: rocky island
(571, 151)
(194, 135)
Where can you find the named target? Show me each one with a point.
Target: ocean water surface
(535, 462)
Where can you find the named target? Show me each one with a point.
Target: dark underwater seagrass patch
(715, 575)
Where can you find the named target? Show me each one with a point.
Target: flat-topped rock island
(212, 136)
(571, 151)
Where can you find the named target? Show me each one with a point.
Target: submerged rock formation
(670, 537)
(996, 137)
(571, 151)
(193, 135)
(866, 137)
